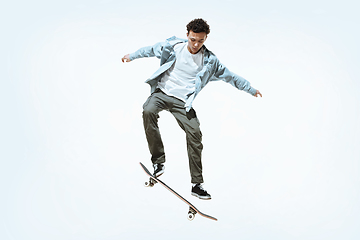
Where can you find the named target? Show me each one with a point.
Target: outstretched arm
(223, 73)
(150, 51)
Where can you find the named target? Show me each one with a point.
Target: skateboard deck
(192, 209)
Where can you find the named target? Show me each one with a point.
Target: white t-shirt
(179, 80)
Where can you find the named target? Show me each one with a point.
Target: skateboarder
(186, 66)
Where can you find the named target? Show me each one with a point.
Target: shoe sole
(201, 197)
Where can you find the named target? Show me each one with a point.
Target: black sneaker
(200, 192)
(158, 169)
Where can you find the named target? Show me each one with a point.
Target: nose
(196, 44)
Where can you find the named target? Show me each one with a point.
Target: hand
(257, 93)
(126, 58)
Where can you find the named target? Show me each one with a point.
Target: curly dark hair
(198, 25)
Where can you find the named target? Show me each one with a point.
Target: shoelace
(201, 188)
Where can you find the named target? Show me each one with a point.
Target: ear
(187, 34)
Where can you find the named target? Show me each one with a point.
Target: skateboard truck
(150, 183)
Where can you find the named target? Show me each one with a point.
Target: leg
(191, 125)
(151, 109)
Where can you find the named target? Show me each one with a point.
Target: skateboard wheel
(149, 184)
(191, 214)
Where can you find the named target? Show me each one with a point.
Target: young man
(186, 67)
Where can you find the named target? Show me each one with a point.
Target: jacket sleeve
(224, 74)
(150, 51)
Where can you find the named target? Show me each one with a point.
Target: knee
(147, 111)
(150, 113)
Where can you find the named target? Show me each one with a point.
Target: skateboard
(192, 209)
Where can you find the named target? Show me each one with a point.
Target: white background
(285, 166)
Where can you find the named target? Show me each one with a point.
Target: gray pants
(188, 121)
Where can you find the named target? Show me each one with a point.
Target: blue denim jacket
(213, 70)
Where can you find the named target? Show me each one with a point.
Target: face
(196, 41)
